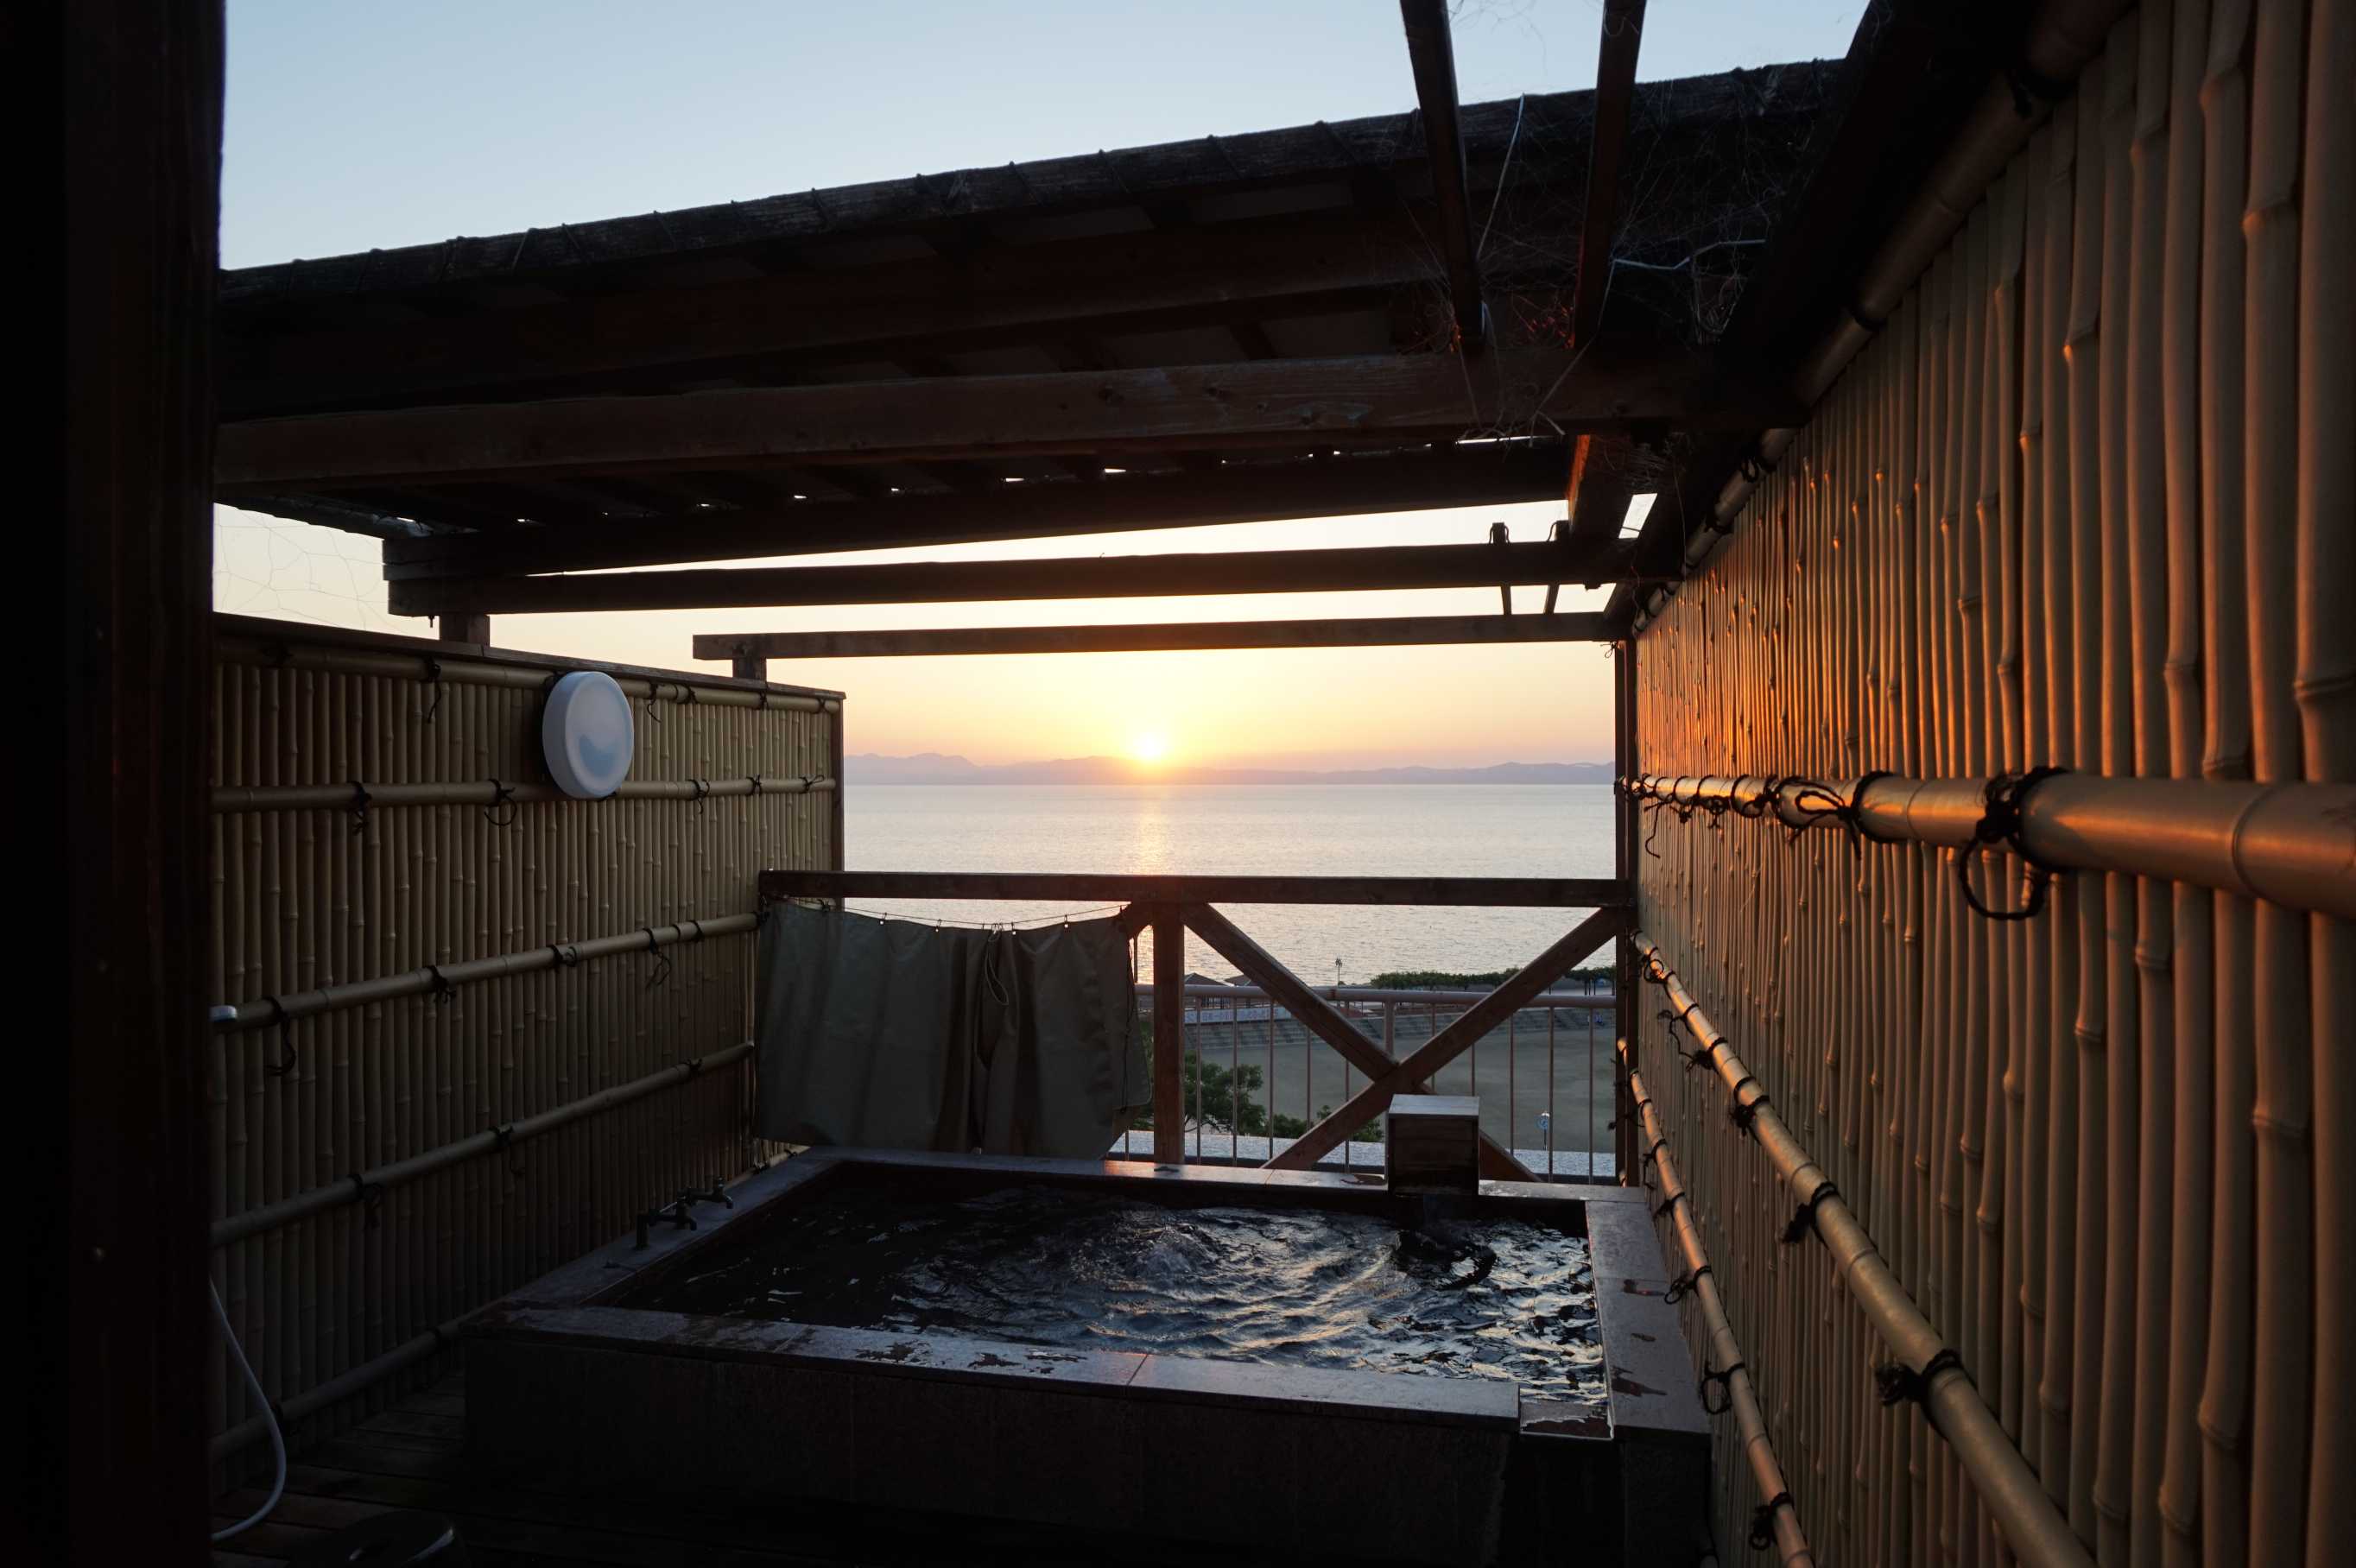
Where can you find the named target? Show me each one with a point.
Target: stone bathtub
(570, 1381)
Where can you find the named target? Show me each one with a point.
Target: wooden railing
(1169, 906)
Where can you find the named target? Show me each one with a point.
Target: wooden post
(748, 667)
(1625, 981)
(121, 108)
(1169, 1036)
(461, 627)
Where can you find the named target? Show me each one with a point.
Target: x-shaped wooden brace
(1409, 1073)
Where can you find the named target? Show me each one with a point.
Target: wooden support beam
(1313, 1013)
(1271, 403)
(1402, 631)
(1169, 1037)
(1113, 887)
(1227, 276)
(1447, 476)
(1615, 90)
(1449, 1043)
(750, 666)
(1431, 52)
(972, 581)
(463, 628)
(116, 113)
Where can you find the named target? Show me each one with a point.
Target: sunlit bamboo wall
(2085, 500)
(310, 897)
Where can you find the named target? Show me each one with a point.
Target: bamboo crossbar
(360, 1186)
(523, 676)
(363, 796)
(2290, 844)
(2008, 1488)
(442, 979)
(334, 1391)
(1725, 1351)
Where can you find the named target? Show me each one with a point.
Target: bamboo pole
(2283, 1357)
(2207, 1508)
(367, 1186)
(1723, 1350)
(2004, 1484)
(2286, 844)
(360, 797)
(518, 673)
(2326, 688)
(442, 979)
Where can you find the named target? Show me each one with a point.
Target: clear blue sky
(354, 125)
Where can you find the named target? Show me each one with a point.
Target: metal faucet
(679, 1212)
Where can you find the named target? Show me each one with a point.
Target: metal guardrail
(1557, 1049)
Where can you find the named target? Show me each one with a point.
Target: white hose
(277, 1438)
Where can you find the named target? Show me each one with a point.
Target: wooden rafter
(970, 582)
(1401, 631)
(765, 522)
(1453, 1041)
(1112, 888)
(1615, 90)
(1432, 54)
(906, 311)
(1274, 403)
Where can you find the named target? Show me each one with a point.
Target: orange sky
(1306, 706)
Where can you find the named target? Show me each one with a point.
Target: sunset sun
(1149, 746)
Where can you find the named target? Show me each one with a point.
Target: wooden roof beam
(1069, 290)
(972, 581)
(1270, 404)
(1432, 54)
(1396, 631)
(771, 524)
(1615, 90)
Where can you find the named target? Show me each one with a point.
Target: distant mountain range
(934, 768)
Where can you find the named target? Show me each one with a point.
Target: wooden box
(1431, 1143)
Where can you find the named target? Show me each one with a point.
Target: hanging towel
(887, 1034)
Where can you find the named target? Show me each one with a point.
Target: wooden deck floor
(413, 1456)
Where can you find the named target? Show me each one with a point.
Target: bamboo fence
(468, 1028)
(2084, 501)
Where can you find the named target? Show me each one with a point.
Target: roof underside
(1229, 329)
(1313, 243)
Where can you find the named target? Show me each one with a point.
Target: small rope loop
(2000, 823)
(439, 985)
(503, 1142)
(1760, 803)
(360, 808)
(370, 1194)
(502, 797)
(432, 678)
(703, 792)
(1685, 1283)
(1723, 1377)
(1762, 1520)
(1804, 1218)
(566, 957)
(755, 779)
(1661, 1210)
(1896, 1380)
(661, 970)
(1744, 1113)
